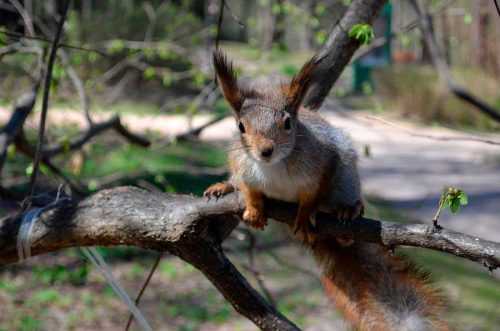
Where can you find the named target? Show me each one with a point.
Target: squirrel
(290, 153)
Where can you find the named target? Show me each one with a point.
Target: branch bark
(339, 49)
(131, 216)
(193, 229)
(188, 227)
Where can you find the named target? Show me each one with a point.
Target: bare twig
(143, 288)
(443, 69)
(24, 147)
(22, 109)
(18, 36)
(222, 5)
(46, 92)
(497, 7)
(253, 270)
(113, 123)
(28, 23)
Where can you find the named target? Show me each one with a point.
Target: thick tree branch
(193, 228)
(339, 49)
(188, 227)
(130, 216)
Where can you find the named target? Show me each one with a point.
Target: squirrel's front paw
(218, 190)
(304, 229)
(255, 218)
(347, 213)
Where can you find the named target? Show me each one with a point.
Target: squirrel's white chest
(275, 181)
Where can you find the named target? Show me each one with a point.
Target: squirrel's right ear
(226, 77)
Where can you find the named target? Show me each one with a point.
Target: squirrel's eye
(288, 125)
(241, 127)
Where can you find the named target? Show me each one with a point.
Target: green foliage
(320, 37)
(28, 323)
(45, 296)
(363, 33)
(61, 274)
(3, 38)
(289, 70)
(453, 198)
(116, 46)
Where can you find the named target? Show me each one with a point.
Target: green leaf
(363, 33)
(467, 18)
(464, 200)
(149, 73)
(11, 152)
(116, 46)
(453, 198)
(29, 170)
(320, 9)
(454, 205)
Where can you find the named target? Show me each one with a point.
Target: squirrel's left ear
(228, 83)
(298, 87)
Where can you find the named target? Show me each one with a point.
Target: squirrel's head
(266, 115)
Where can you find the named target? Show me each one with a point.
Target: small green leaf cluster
(363, 33)
(453, 198)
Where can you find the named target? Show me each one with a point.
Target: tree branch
(193, 229)
(113, 123)
(443, 69)
(22, 109)
(46, 92)
(130, 216)
(188, 227)
(339, 49)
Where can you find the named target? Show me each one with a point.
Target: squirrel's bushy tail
(378, 291)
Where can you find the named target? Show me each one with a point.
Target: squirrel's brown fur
(289, 153)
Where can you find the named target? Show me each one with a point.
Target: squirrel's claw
(305, 230)
(218, 190)
(347, 213)
(254, 218)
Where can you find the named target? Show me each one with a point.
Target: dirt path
(406, 171)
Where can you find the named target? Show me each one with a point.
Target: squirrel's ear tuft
(226, 77)
(298, 87)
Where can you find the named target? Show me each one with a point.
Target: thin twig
(497, 7)
(16, 35)
(219, 22)
(143, 288)
(46, 93)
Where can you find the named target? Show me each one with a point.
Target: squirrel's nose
(266, 152)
